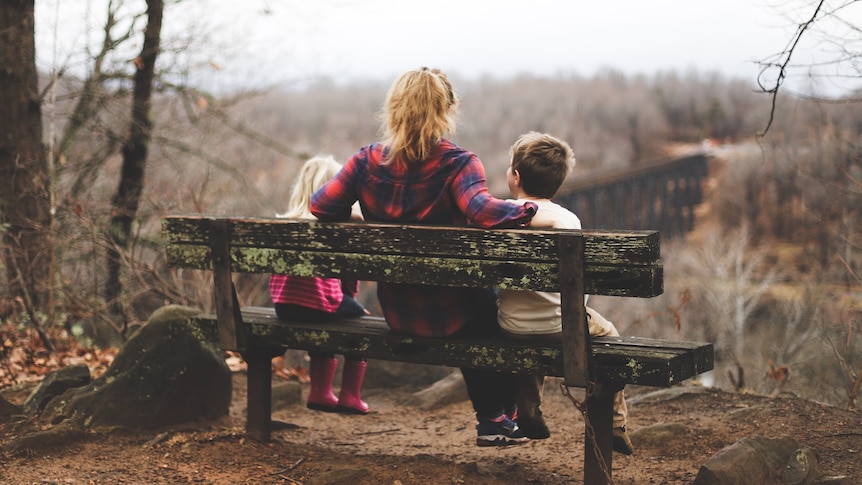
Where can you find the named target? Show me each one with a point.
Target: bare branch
(782, 67)
(211, 159)
(90, 101)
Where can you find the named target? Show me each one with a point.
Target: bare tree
(733, 280)
(128, 196)
(25, 216)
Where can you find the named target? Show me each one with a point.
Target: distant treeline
(610, 120)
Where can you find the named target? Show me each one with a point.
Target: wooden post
(227, 307)
(577, 355)
(600, 416)
(578, 367)
(258, 423)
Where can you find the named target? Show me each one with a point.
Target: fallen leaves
(24, 358)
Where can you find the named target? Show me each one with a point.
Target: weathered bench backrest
(618, 263)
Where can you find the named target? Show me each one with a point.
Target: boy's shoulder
(552, 215)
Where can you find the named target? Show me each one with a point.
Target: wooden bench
(618, 263)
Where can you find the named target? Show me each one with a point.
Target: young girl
(416, 175)
(321, 300)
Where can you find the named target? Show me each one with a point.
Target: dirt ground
(401, 445)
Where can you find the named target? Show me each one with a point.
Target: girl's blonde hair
(420, 108)
(312, 176)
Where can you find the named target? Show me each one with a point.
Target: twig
(291, 480)
(782, 68)
(392, 430)
(158, 439)
(851, 433)
(291, 467)
(31, 312)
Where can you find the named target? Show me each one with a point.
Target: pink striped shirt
(324, 294)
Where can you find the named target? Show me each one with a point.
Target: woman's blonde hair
(420, 108)
(312, 176)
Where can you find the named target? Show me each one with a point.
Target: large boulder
(168, 372)
(760, 460)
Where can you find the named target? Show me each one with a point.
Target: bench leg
(600, 414)
(258, 423)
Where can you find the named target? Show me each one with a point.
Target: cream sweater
(536, 312)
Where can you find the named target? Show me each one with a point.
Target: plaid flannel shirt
(446, 189)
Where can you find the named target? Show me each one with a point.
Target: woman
(416, 175)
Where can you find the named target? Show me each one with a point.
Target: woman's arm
(334, 201)
(481, 208)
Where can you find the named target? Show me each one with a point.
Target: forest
(770, 273)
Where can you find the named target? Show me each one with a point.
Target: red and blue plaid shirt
(446, 189)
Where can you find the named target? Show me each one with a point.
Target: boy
(539, 165)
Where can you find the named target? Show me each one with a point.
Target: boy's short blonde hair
(543, 163)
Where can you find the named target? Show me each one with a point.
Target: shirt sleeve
(334, 201)
(481, 208)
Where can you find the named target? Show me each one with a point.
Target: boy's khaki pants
(530, 387)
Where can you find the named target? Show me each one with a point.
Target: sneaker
(501, 432)
(534, 427)
(512, 413)
(621, 442)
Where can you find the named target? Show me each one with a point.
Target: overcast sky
(279, 41)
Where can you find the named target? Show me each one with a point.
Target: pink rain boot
(349, 400)
(321, 370)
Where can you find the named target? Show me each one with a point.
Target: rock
(55, 436)
(760, 460)
(658, 434)
(54, 384)
(18, 393)
(449, 390)
(384, 374)
(168, 372)
(802, 468)
(668, 394)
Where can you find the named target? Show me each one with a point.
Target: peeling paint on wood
(617, 263)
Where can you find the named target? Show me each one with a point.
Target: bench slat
(605, 247)
(619, 360)
(617, 263)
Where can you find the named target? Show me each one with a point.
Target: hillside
(400, 444)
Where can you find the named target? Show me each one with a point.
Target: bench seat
(618, 360)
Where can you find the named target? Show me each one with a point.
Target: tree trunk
(127, 198)
(25, 212)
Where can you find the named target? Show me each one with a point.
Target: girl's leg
(350, 397)
(321, 371)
